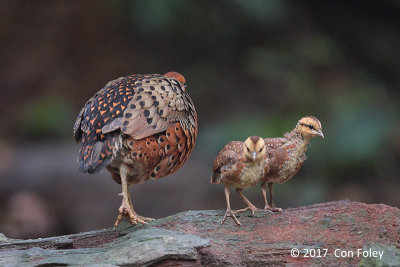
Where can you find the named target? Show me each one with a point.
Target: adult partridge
(138, 127)
(287, 154)
(240, 165)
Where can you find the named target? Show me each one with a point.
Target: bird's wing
(159, 103)
(274, 143)
(116, 108)
(225, 160)
(229, 154)
(276, 155)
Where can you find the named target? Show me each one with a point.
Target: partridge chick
(138, 127)
(240, 165)
(286, 155)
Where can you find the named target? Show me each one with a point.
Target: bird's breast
(250, 175)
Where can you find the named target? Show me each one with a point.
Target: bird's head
(309, 127)
(177, 76)
(254, 148)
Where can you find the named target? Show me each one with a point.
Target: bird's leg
(229, 212)
(264, 193)
(126, 208)
(146, 219)
(250, 205)
(272, 206)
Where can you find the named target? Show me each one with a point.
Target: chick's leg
(272, 205)
(250, 205)
(126, 208)
(264, 193)
(229, 212)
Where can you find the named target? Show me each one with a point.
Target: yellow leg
(126, 208)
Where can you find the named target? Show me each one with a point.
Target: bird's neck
(299, 142)
(252, 162)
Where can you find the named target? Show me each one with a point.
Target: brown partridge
(287, 154)
(240, 165)
(138, 127)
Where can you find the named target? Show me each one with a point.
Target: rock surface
(334, 233)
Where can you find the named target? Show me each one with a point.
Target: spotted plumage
(286, 155)
(240, 165)
(146, 122)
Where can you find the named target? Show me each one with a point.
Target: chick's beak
(254, 156)
(319, 133)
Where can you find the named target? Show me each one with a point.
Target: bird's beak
(319, 133)
(254, 156)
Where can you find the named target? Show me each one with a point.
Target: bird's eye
(261, 149)
(311, 127)
(248, 150)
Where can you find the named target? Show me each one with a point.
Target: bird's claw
(125, 210)
(252, 208)
(231, 213)
(272, 209)
(146, 219)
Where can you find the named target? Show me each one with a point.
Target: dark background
(253, 68)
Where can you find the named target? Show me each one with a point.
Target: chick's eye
(248, 150)
(311, 127)
(261, 149)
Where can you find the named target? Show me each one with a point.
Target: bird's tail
(94, 156)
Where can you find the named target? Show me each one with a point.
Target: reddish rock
(318, 232)
(268, 238)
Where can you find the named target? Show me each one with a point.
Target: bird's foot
(146, 219)
(230, 213)
(125, 210)
(272, 209)
(251, 207)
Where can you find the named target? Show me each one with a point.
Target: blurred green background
(253, 68)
